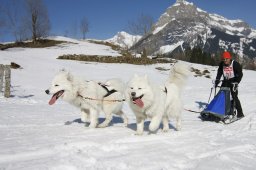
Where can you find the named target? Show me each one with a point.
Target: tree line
(197, 55)
(28, 19)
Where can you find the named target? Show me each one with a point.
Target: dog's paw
(178, 128)
(102, 125)
(165, 130)
(138, 133)
(86, 124)
(125, 124)
(92, 126)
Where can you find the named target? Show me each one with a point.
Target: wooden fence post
(1, 77)
(7, 92)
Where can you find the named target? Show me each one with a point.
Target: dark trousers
(234, 94)
(237, 103)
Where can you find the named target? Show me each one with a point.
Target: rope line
(89, 98)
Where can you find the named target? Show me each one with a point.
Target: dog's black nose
(47, 91)
(133, 94)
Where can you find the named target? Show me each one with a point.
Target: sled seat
(220, 106)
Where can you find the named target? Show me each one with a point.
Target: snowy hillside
(37, 136)
(124, 40)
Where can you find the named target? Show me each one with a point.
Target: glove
(216, 83)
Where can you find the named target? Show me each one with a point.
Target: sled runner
(221, 108)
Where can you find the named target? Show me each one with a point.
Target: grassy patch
(111, 59)
(39, 44)
(162, 69)
(15, 66)
(199, 73)
(113, 46)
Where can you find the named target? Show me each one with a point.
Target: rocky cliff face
(184, 25)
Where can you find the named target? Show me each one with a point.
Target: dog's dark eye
(56, 85)
(131, 87)
(139, 88)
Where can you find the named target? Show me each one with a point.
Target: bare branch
(84, 26)
(141, 26)
(38, 20)
(13, 14)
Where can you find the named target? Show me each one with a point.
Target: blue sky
(107, 17)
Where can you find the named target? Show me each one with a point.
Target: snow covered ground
(37, 136)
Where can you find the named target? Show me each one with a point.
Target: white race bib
(228, 71)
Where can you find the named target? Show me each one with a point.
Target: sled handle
(234, 86)
(211, 95)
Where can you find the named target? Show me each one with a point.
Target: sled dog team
(146, 100)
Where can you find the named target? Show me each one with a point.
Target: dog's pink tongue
(53, 100)
(139, 103)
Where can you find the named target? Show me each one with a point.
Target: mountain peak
(124, 39)
(179, 2)
(179, 10)
(184, 25)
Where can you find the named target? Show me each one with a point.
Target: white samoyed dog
(113, 100)
(173, 88)
(147, 101)
(88, 96)
(157, 102)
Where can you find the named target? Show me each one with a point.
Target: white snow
(123, 39)
(156, 30)
(223, 44)
(217, 17)
(200, 10)
(169, 48)
(252, 34)
(179, 2)
(229, 32)
(226, 24)
(34, 135)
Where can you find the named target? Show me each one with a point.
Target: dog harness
(109, 92)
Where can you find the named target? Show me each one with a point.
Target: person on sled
(232, 73)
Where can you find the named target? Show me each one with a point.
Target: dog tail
(179, 74)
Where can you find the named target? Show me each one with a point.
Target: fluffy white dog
(151, 101)
(147, 101)
(88, 96)
(173, 88)
(113, 100)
